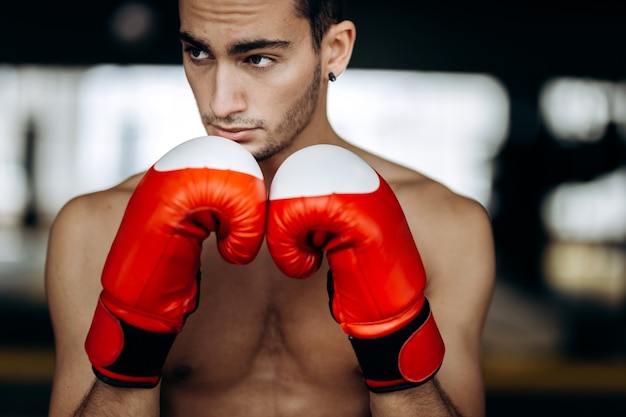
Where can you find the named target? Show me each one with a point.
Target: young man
(260, 343)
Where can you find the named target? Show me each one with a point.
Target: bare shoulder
(452, 231)
(81, 235)
(79, 241)
(453, 234)
(89, 222)
(101, 201)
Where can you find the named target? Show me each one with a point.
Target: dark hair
(321, 14)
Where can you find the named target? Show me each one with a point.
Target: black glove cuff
(142, 356)
(378, 357)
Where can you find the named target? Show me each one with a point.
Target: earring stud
(332, 77)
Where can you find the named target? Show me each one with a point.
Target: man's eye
(196, 53)
(260, 60)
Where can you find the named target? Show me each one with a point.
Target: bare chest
(260, 341)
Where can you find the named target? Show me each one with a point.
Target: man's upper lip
(232, 129)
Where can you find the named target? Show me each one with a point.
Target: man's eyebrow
(247, 46)
(239, 47)
(190, 39)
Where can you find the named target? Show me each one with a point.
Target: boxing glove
(151, 276)
(325, 199)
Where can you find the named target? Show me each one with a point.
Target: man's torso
(261, 344)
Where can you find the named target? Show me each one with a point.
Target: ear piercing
(332, 77)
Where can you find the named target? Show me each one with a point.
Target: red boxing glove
(326, 199)
(151, 275)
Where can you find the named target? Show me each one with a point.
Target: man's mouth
(237, 134)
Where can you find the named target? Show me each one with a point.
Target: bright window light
(13, 190)
(574, 109)
(447, 126)
(96, 126)
(13, 194)
(586, 270)
(592, 211)
(128, 118)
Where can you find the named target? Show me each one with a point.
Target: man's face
(253, 70)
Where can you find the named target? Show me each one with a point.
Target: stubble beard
(295, 120)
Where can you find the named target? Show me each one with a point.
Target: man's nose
(228, 92)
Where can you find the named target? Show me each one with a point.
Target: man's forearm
(103, 400)
(425, 400)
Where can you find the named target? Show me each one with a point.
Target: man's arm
(105, 400)
(426, 400)
(149, 282)
(78, 245)
(377, 281)
(457, 247)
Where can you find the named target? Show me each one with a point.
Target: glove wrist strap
(124, 355)
(406, 358)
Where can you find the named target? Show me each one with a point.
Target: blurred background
(520, 105)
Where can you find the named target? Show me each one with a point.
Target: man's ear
(338, 44)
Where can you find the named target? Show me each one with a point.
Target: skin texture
(261, 344)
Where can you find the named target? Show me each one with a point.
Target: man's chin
(260, 156)
(255, 150)
(264, 153)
